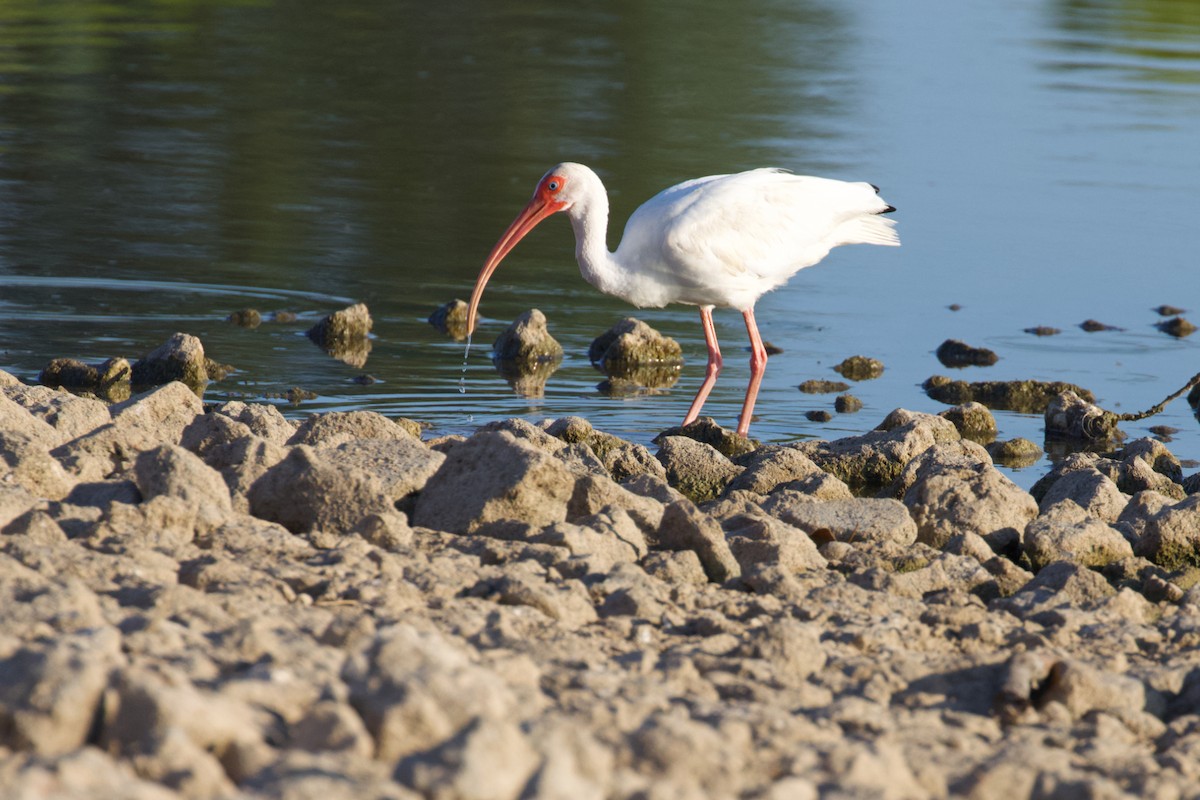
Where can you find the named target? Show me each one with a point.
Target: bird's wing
(765, 222)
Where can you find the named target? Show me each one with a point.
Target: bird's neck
(596, 263)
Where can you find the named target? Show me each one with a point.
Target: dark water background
(165, 164)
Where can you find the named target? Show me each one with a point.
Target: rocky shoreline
(220, 602)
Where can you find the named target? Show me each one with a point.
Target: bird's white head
(565, 186)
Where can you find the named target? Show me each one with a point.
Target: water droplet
(462, 382)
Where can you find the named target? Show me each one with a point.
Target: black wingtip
(888, 210)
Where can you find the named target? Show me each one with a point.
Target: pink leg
(758, 365)
(714, 365)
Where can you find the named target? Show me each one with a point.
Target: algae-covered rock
(344, 334)
(696, 469)
(859, 368)
(1016, 453)
(1070, 416)
(954, 353)
(527, 340)
(108, 380)
(245, 318)
(705, 429)
(1026, 397)
(816, 386)
(847, 404)
(1177, 327)
(973, 421)
(633, 350)
(451, 319)
(180, 358)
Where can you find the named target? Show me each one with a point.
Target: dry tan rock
(494, 477)
(1067, 532)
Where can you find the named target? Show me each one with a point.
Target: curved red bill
(538, 209)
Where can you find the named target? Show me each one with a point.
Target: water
(164, 165)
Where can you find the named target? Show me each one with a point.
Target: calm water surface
(162, 165)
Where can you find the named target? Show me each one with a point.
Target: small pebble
(1043, 330)
(1169, 311)
(1091, 326)
(818, 416)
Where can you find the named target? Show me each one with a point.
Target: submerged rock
(859, 368)
(527, 341)
(815, 386)
(344, 334)
(245, 318)
(1043, 330)
(451, 319)
(632, 350)
(1026, 397)
(954, 353)
(1177, 327)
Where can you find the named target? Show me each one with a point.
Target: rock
(973, 420)
(1067, 532)
(348, 324)
(451, 319)
(493, 477)
(101, 380)
(162, 413)
(1083, 689)
(1171, 537)
(262, 420)
(488, 759)
(1061, 583)
(344, 334)
(1026, 397)
(50, 694)
(86, 772)
(953, 353)
(815, 386)
(1177, 327)
(952, 494)
(847, 404)
(622, 459)
(140, 423)
(759, 541)
(857, 520)
(68, 415)
(304, 493)
(8, 379)
(627, 348)
(416, 690)
(171, 471)
(696, 469)
(27, 463)
(859, 368)
(245, 318)
(403, 465)
(1069, 416)
(1089, 489)
(793, 648)
(726, 442)
(1156, 456)
(527, 340)
(1015, 453)
(180, 358)
(869, 462)
(174, 731)
(768, 468)
(335, 427)
(684, 527)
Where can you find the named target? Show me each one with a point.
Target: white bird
(724, 240)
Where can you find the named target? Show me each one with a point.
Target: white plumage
(724, 240)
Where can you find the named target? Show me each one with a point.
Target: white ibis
(724, 240)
